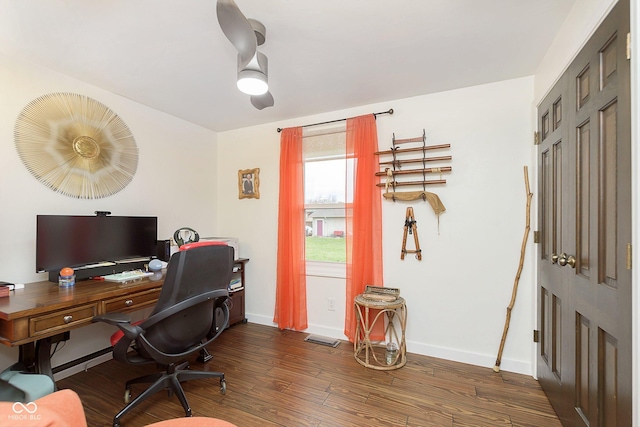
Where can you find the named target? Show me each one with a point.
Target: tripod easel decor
(410, 228)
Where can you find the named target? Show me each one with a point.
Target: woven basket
(378, 293)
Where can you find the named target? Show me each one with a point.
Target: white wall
(458, 294)
(175, 181)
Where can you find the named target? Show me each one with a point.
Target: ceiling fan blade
(237, 29)
(262, 101)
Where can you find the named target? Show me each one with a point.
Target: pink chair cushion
(193, 422)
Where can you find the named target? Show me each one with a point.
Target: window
(325, 170)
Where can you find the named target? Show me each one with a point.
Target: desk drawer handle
(67, 319)
(128, 302)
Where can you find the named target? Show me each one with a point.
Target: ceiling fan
(246, 35)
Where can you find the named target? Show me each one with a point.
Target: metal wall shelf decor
(412, 158)
(393, 161)
(76, 146)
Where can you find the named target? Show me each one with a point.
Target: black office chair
(181, 324)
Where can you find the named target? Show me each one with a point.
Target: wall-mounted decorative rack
(393, 168)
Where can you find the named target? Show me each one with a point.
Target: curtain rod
(342, 120)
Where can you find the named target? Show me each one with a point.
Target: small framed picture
(249, 183)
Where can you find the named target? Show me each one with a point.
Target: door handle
(554, 258)
(562, 260)
(565, 259)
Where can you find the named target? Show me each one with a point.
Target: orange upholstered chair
(193, 422)
(60, 409)
(64, 409)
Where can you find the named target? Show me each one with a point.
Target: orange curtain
(291, 286)
(363, 217)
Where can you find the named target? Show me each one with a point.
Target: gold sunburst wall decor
(76, 145)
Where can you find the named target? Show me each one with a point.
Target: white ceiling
(323, 55)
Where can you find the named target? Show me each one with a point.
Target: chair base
(170, 380)
(204, 356)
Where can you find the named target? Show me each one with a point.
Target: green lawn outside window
(326, 249)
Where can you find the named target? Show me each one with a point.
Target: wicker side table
(393, 315)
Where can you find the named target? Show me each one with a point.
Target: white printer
(230, 241)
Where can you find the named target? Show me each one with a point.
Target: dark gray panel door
(584, 285)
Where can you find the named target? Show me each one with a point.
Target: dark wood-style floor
(275, 378)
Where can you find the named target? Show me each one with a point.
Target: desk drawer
(66, 319)
(131, 302)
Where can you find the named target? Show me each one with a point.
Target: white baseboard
(508, 365)
(82, 366)
(488, 361)
(311, 329)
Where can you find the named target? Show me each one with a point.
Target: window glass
(324, 175)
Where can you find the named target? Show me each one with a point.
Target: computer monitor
(75, 241)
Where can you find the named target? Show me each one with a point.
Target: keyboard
(127, 275)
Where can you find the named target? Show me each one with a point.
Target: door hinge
(536, 138)
(629, 250)
(536, 236)
(536, 335)
(628, 45)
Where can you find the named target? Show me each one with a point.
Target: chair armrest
(167, 358)
(122, 321)
(170, 311)
(112, 318)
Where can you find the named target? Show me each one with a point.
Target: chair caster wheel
(127, 395)
(223, 387)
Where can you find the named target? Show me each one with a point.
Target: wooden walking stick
(496, 368)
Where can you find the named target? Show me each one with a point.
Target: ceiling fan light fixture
(246, 35)
(252, 82)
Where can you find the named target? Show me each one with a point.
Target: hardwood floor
(275, 378)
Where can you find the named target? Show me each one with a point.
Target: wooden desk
(30, 317)
(236, 310)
